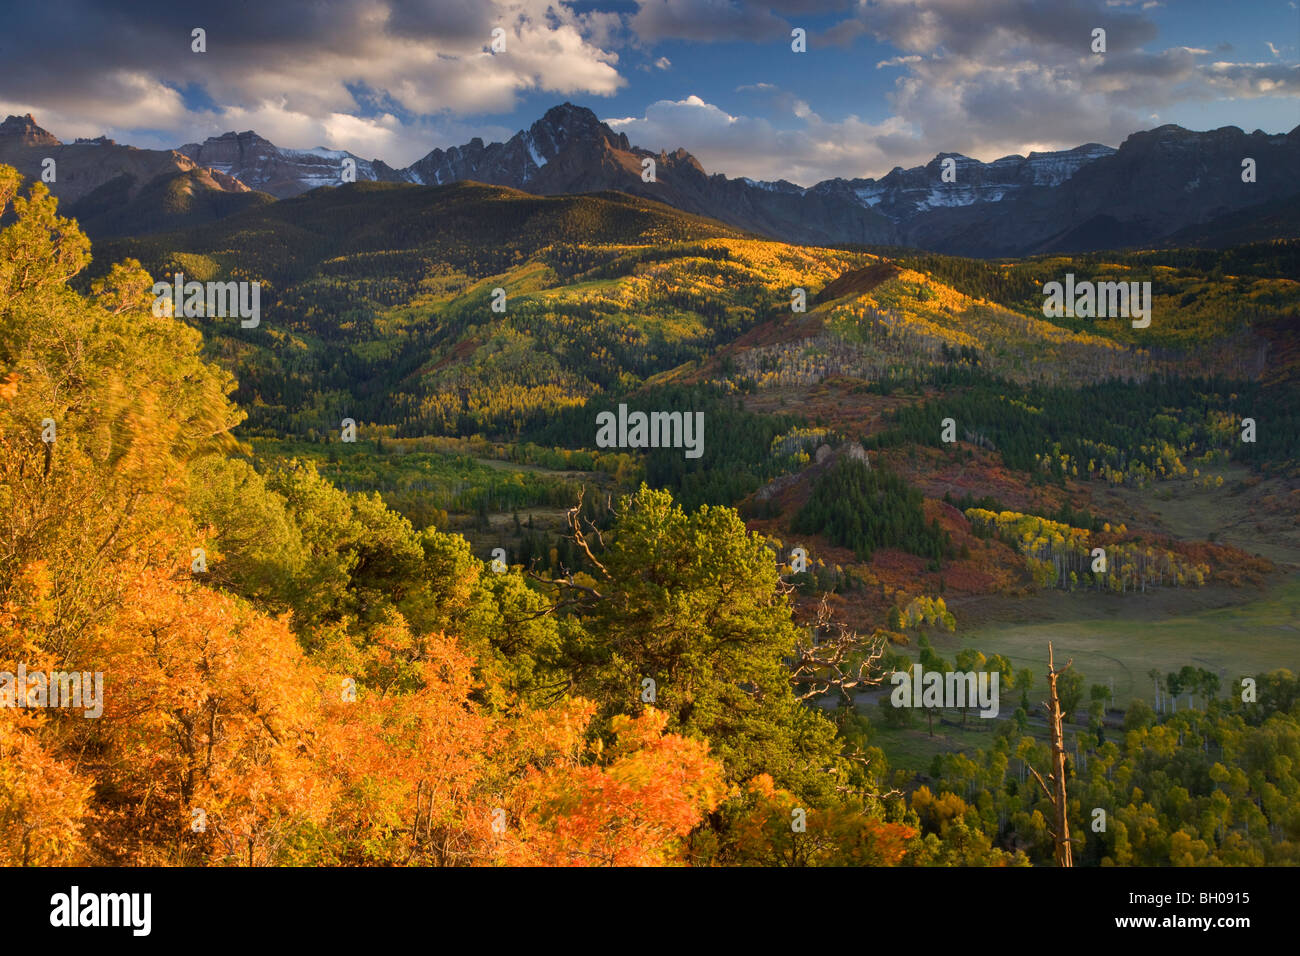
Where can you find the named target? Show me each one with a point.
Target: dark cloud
(298, 67)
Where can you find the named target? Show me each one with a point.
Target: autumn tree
(633, 806)
(694, 603)
(765, 825)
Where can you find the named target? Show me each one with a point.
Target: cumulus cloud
(301, 67)
(990, 78)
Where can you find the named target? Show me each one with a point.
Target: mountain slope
(378, 304)
(120, 190)
(477, 228)
(1157, 183)
(262, 165)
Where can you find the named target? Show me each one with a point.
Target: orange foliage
(208, 705)
(762, 831)
(635, 810)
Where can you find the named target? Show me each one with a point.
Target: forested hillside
(475, 635)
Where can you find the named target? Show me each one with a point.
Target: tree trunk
(1063, 854)
(1056, 793)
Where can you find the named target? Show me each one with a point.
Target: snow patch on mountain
(537, 157)
(320, 151)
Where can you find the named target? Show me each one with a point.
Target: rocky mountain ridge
(1158, 183)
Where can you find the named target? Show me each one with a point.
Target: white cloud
(899, 61)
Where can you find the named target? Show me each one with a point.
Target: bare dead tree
(565, 590)
(575, 521)
(1056, 793)
(835, 658)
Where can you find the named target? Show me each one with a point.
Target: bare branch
(838, 658)
(574, 518)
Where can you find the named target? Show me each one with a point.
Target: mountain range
(120, 190)
(1161, 186)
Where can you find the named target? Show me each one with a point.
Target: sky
(882, 83)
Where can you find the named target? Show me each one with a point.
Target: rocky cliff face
(904, 194)
(569, 150)
(566, 148)
(261, 165)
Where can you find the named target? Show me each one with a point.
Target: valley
(899, 447)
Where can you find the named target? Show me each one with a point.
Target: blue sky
(883, 83)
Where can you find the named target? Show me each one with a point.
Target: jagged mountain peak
(246, 139)
(115, 189)
(1011, 203)
(1086, 149)
(23, 131)
(568, 116)
(562, 126)
(282, 172)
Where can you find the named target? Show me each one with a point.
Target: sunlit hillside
(389, 495)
